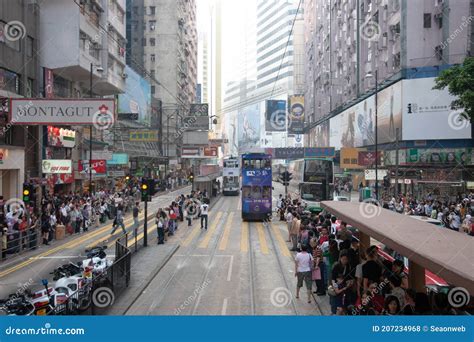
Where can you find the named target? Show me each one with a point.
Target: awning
(444, 252)
(208, 178)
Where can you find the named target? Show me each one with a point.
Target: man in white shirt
(289, 222)
(204, 214)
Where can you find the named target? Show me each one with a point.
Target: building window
(144, 41)
(135, 10)
(427, 20)
(29, 46)
(152, 10)
(152, 72)
(153, 90)
(152, 25)
(152, 41)
(152, 57)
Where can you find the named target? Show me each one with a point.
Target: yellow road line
(191, 236)
(205, 242)
(140, 236)
(225, 236)
(261, 238)
(69, 244)
(281, 242)
(244, 237)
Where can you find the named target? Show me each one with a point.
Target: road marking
(97, 242)
(244, 237)
(281, 242)
(229, 273)
(205, 242)
(225, 236)
(224, 307)
(65, 257)
(261, 238)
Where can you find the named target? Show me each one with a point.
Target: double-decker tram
(256, 186)
(231, 175)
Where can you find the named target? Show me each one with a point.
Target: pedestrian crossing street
(226, 232)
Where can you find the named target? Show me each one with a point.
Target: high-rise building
(370, 72)
(271, 68)
(163, 47)
(19, 77)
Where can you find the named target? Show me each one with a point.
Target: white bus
(231, 175)
(313, 181)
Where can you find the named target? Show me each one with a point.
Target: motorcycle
(17, 306)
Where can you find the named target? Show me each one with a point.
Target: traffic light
(191, 177)
(27, 193)
(145, 191)
(286, 177)
(152, 187)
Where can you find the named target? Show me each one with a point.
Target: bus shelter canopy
(444, 252)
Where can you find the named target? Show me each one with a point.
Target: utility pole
(376, 138)
(396, 163)
(90, 135)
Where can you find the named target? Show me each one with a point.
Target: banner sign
(296, 114)
(24, 111)
(56, 166)
(275, 115)
(104, 154)
(144, 136)
(48, 83)
(98, 166)
(186, 151)
(319, 152)
(288, 153)
(61, 137)
(210, 151)
(199, 109)
(118, 159)
(368, 158)
(350, 158)
(370, 174)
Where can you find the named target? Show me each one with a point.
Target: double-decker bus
(256, 186)
(231, 174)
(313, 181)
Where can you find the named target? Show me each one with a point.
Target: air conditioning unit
(124, 75)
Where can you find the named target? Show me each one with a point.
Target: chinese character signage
(144, 136)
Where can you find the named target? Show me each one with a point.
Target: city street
(233, 268)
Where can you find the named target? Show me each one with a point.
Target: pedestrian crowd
(329, 262)
(453, 213)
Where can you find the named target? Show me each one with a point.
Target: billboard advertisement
(459, 156)
(350, 158)
(355, 127)
(61, 137)
(144, 136)
(98, 166)
(275, 115)
(137, 96)
(320, 134)
(427, 113)
(56, 166)
(296, 114)
(249, 127)
(89, 112)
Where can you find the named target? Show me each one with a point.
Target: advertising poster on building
(99, 167)
(427, 113)
(137, 96)
(296, 114)
(275, 115)
(350, 158)
(461, 156)
(249, 127)
(56, 166)
(390, 113)
(61, 137)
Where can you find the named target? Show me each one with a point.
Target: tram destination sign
(61, 111)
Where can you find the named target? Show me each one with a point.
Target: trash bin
(60, 232)
(366, 193)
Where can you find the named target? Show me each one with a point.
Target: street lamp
(100, 70)
(370, 75)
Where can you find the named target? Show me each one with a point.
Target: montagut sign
(56, 166)
(60, 111)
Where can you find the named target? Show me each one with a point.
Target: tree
(459, 80)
